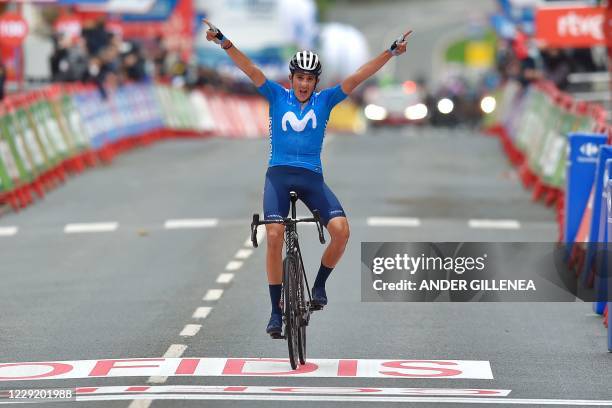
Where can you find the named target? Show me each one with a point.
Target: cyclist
(298, 118)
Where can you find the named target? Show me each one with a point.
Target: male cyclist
(298, 118)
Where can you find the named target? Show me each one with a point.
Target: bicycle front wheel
(291, 309)
(302, 314)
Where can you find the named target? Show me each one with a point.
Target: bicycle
(296, 310)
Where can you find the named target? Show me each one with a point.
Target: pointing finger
(210, 26)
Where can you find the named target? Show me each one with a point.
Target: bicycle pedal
(316, 307)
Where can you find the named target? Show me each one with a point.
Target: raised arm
(242, 61)
(371, 67)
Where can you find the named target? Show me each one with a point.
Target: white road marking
(245, 367)
(494, 224)
(8, 231)
(393, 222)
(333, 398)
(225, 278)
(91, 227)
(201, 312)
(292, 390)
(191, 223)
(191, 330)
(139, 403)
(174, 351)
(233, 265)
(243, 253)
(213, 294)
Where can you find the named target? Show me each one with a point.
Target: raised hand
(213, 33)
(399, 46)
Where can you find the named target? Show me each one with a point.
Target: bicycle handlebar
(256, 222)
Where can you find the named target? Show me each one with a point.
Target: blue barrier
(582, 160)
(599, 258)
(590, 267)
(609, 205)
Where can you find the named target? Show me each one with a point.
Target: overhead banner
(570, 27)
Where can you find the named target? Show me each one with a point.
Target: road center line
(91, 227)
(233, 265)
(225, 278)
(8, 231)
(393, 222)
(494, 224)
(213, 294)
(191, 223)
(243, 253)
(201, 312)
(191, 330)
(141, 403)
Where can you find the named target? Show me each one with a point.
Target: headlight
(416, 112)
(488, 104)
(375, 112)
(445, 106)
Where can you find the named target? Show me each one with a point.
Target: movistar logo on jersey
(298, 125)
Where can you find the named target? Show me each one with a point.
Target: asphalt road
(129, 292)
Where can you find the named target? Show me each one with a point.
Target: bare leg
(338, 229)
(274, 260)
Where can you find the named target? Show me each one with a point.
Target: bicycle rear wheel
(291, 309)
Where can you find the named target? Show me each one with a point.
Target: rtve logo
(589, 149)
(298, 125)
(574, 25)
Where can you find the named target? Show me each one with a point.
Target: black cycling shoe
(319, 297)
(275, 325)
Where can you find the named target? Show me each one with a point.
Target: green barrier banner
(39, 157)
(53, 129)
(37, 123)
(75, 123)
(62, 125)
(17, 150)
(8, 167)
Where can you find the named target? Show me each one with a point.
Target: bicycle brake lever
(317, 218)
(254, 225)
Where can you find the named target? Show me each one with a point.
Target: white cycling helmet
(305, 61)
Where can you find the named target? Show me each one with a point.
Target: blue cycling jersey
(296, 133)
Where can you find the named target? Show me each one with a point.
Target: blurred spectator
(557, 67)
(96, 36)
(69, 60)
(100, 57)
(133, 62)
(583, 60)
(529, 70)
(2, 79)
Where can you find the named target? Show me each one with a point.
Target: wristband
(393, 48)
(219, 37)
(228, 46)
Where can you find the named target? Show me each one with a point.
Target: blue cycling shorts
(310, 188)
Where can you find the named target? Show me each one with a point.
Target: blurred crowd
(104, 58)
(520, 59)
